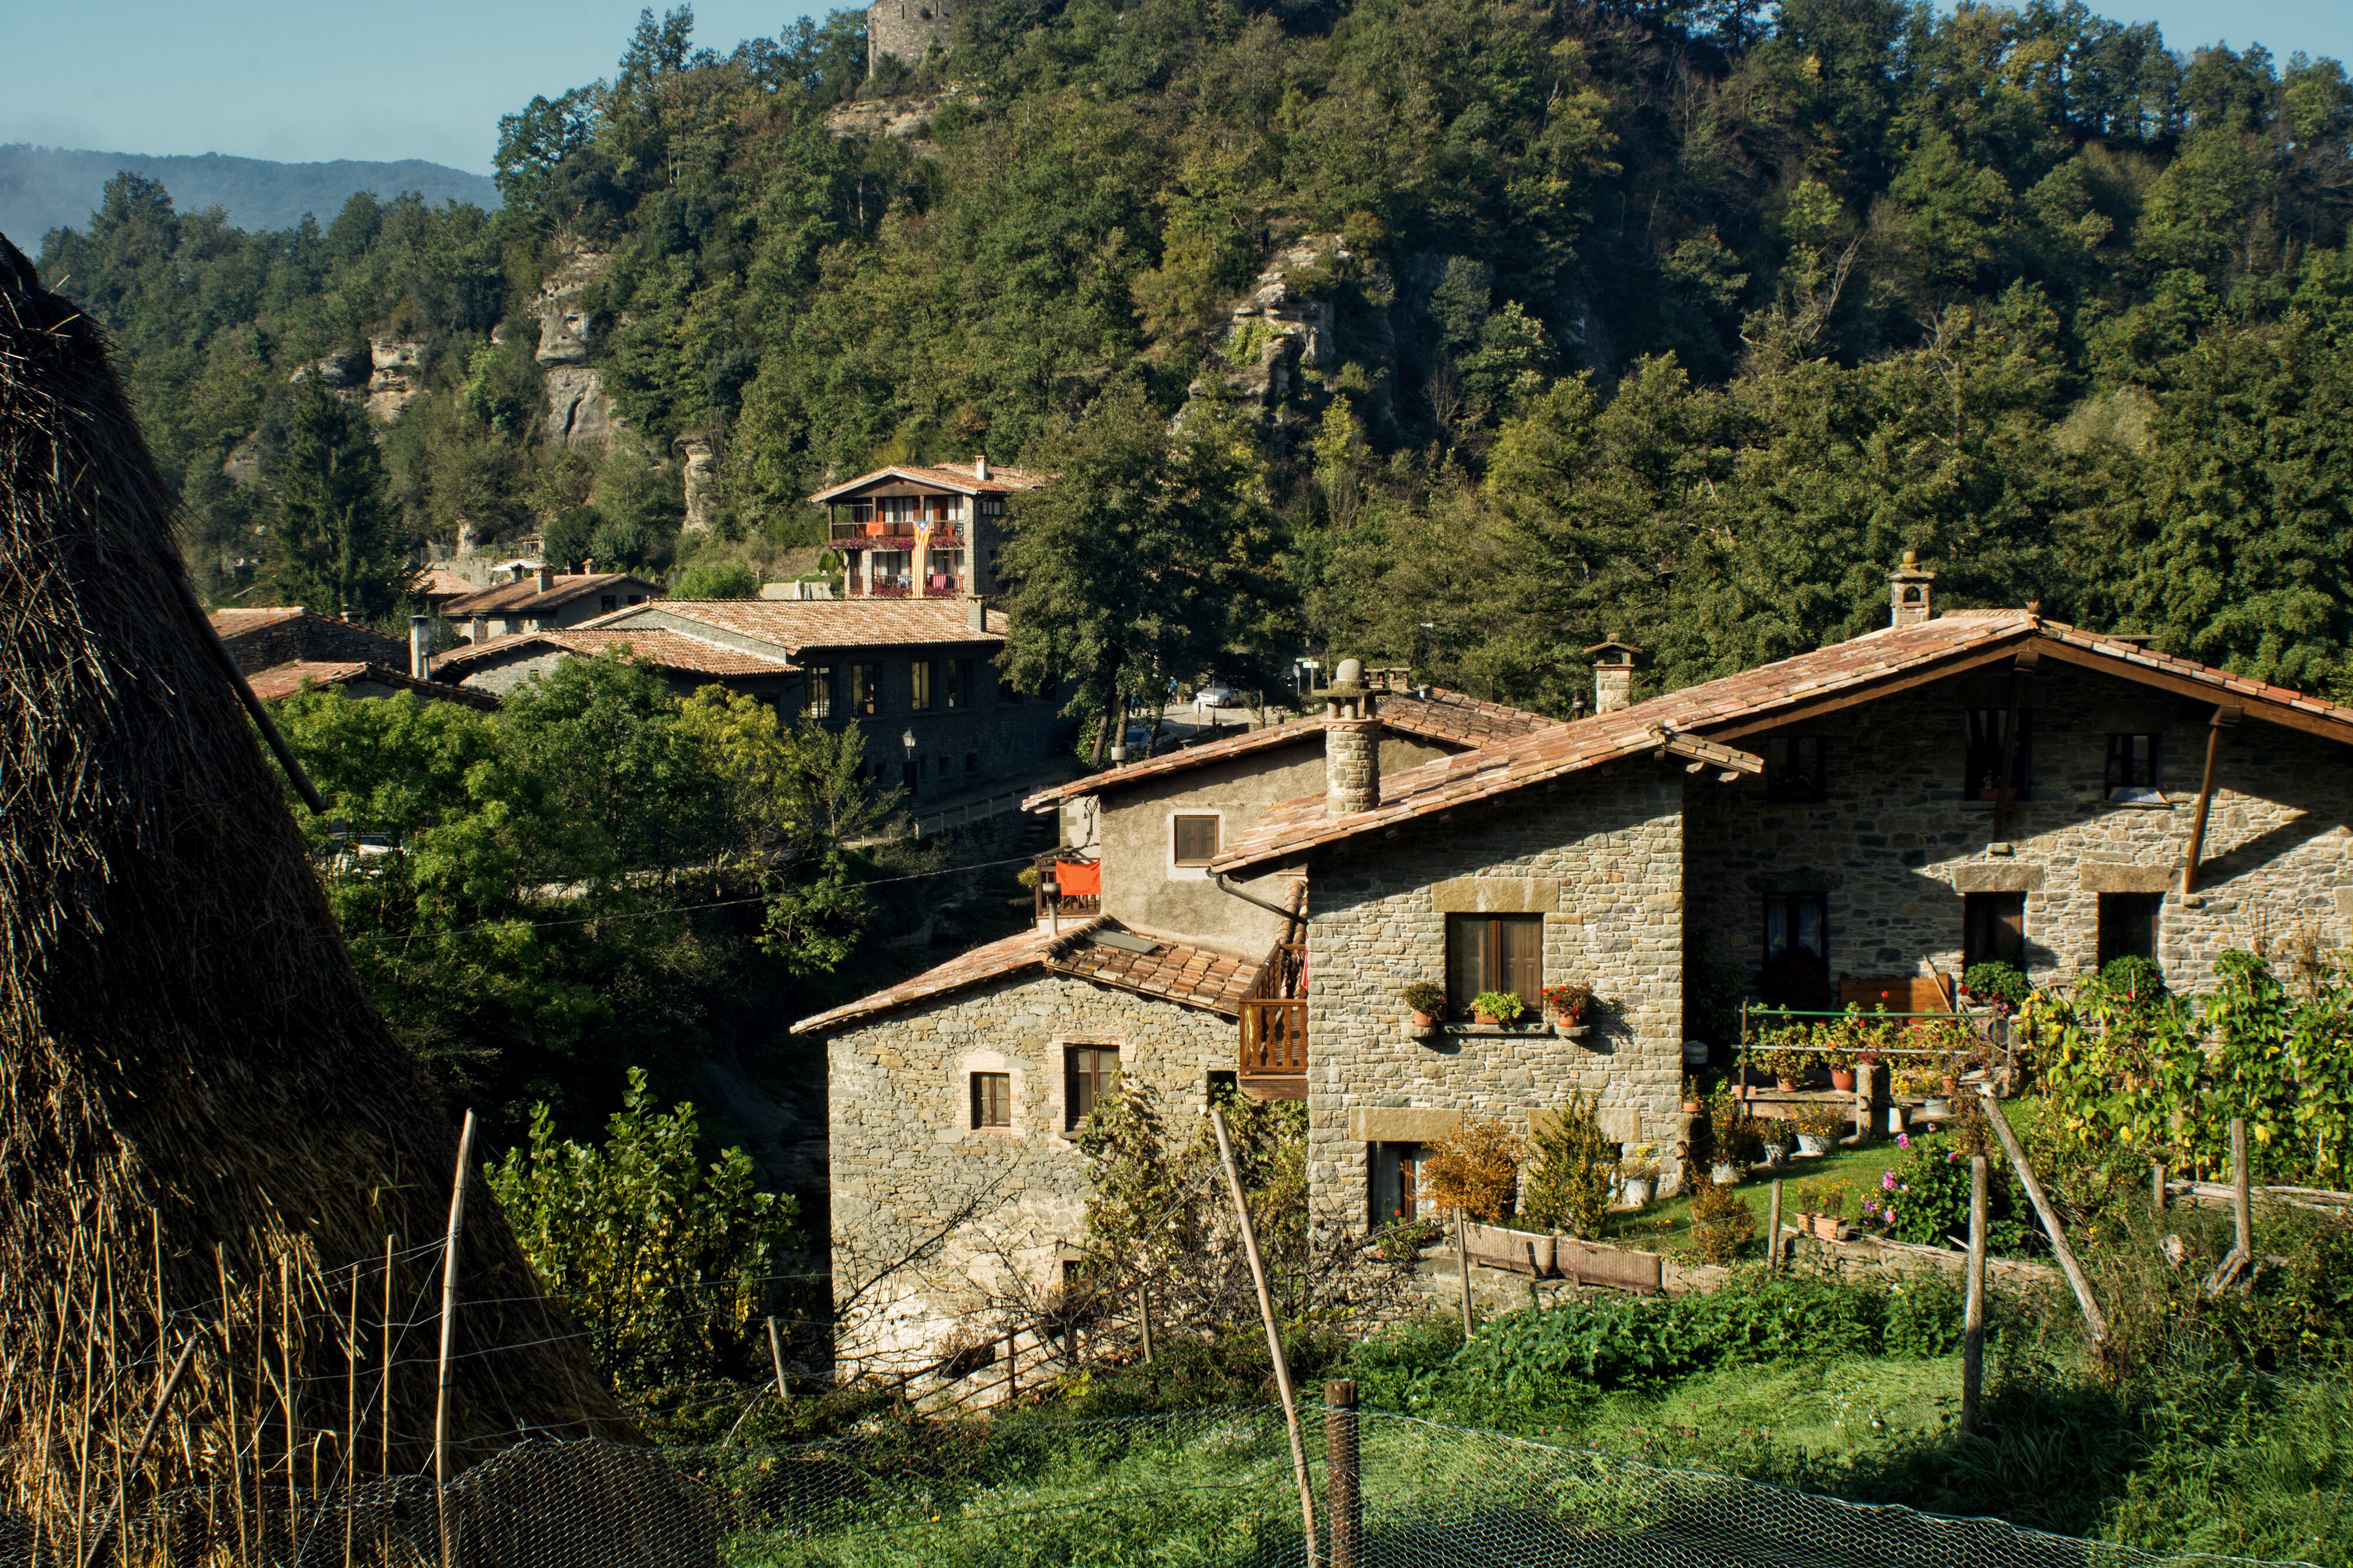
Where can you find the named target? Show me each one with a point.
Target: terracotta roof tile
(793, 625)
(646, 645)
(1299, 825)
(961, 476)
(227, 624)
(525, 597)
(1194, 977)
(283, 680)
(1447, 716)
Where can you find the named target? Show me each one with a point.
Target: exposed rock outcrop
(343, 372)
(1280, 347)
(700, 477)
(900, 119)
(578, 412)
(242, 464)
(396, 376)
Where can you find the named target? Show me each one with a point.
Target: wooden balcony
(1273, 1062)
(1082, 899)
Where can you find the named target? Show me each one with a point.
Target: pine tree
(334, 548)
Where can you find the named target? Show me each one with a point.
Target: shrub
(1568, 1179)
(1503, 1006)
(1477, 1170)
(1995, 980)
(716, 580)
(1822, 1120)
(1425, 996)
(1722, 1226)
(2133, 979)
(1924, 1198)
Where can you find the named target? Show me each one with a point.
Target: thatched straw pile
(205, 1128)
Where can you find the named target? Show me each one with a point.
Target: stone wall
(987, 738)
(1601, 860)
(1007, 1204)
(319, 638)
(906, 29)
(1894, 845)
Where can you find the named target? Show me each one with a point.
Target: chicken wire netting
(1213, 1488)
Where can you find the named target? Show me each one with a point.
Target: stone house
(912, 531)
(1882, 811)
(916, 677)
(283, 649)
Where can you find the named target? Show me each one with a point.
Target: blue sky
(309, 79)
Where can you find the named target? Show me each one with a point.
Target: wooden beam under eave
(2224, 718)
(2200, 691)
(2004, 782)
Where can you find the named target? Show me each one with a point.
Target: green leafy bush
(1567, 1185)
(2132, 978)
(1924, 1198)
(716, 580)
(1995, 980)
(1425, 996)
(1503, 1006)
(663, 1261)
(1722, 1226)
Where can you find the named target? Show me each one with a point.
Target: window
(971, 764)
(1797, 972)
(1981, 770)
(2132, 769)
(862, 683)
(1993, 925)
(992, 1099)
(1793, 767)
(2128, 926)
(952, 681)
(1008, 693)
(1494, 953)
(945, 762)
(1197, 840)
(607, 602)
(1090, 1074)
(637, 598)
(919, 685)
(1396, 1181)
(820, 691)
(1223, 1087)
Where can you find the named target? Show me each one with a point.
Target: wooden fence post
(777, 1359)
(2157, 1186)
(1144, 1319)
(1773, 1230)
(448, 1326)
(1973, 1318)
(1273, 1335)
(1343, 1502)
(2242, 1215)
(1463, 1251)
(2092, 1317)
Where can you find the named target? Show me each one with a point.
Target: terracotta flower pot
(1842, 1079)
(1425, 1021)
(1488, 1018)
(1952, 1086)
(1691, 1107)
(1786, 1085)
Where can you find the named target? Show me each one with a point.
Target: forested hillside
(1583, 319)
(42, 188)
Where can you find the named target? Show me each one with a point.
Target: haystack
(205, 1127)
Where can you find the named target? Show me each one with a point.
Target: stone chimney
(1908, 593)
(546, 578)
(1352, 744)
(420, 645)
(980, 468)
(976, 615)
(1613, 675)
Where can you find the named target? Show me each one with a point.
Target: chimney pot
(420, 645)
(1613, 675)
(980, 468)
(1909, 597)
(546, 578)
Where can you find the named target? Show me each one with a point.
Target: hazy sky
(311, 79)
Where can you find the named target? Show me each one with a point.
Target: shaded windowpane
(2132, 768)
(1092, 1071)
(1494, 953)
(1993, 927)
(1981, 771)
(919, 685)
(2128, 926)
(1793, 767)
(861, 688)
(820, 692)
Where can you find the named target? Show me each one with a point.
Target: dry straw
(204, 1125)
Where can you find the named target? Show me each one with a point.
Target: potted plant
(1428, 1000)
(1837, 1051)
(1640, 1173)
(1778, 1138)
(1821, 1207)
(1784, 1064)
(1497, 1006)
(1569, 1003)
(1819, 1127)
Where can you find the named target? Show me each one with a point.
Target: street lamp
(908, 741)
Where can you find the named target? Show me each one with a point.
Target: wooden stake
(1144, 1319)
(1273, 1335)
(383, 1453)
(1462, 1253)
(351, 1410)
(1773, 1230)
(1344, 1502)
(2092, 1319)
(138, 1455)
(449, 1325)
(286, 1309)
(2243, 1207)
(777, 1358)
(1973, 1317)
(229, 1372)
(2157, 1186)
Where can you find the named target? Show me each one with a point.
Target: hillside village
(1140, 783)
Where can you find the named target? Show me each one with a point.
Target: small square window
(2132, 770)
(992, 1099)
(1090, 1074)
(1793, 767)
(1494, 953)
(1197, 840)
(2128, 926)
(607, 602)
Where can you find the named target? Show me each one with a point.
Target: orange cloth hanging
(1079, 879)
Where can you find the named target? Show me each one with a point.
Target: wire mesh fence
(1212, 1488)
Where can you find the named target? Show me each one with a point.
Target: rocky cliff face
(578, 412)
(1280, 348)
(396, 376)
(700, 477)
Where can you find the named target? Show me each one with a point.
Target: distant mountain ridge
(42, 188)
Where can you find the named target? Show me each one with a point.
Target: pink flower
(1903, 1140)
(1886, 1181)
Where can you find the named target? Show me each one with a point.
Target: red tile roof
(525, 598)
(1447, 717)
(645, 644)
(1753, 696)
(793, 625)
(1191, 976)
(283, 680)
(962, 478)
(231, 623)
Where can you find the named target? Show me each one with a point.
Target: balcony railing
(887, 534)
(1055, 899)
(1274, 1017)
(896, 588)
